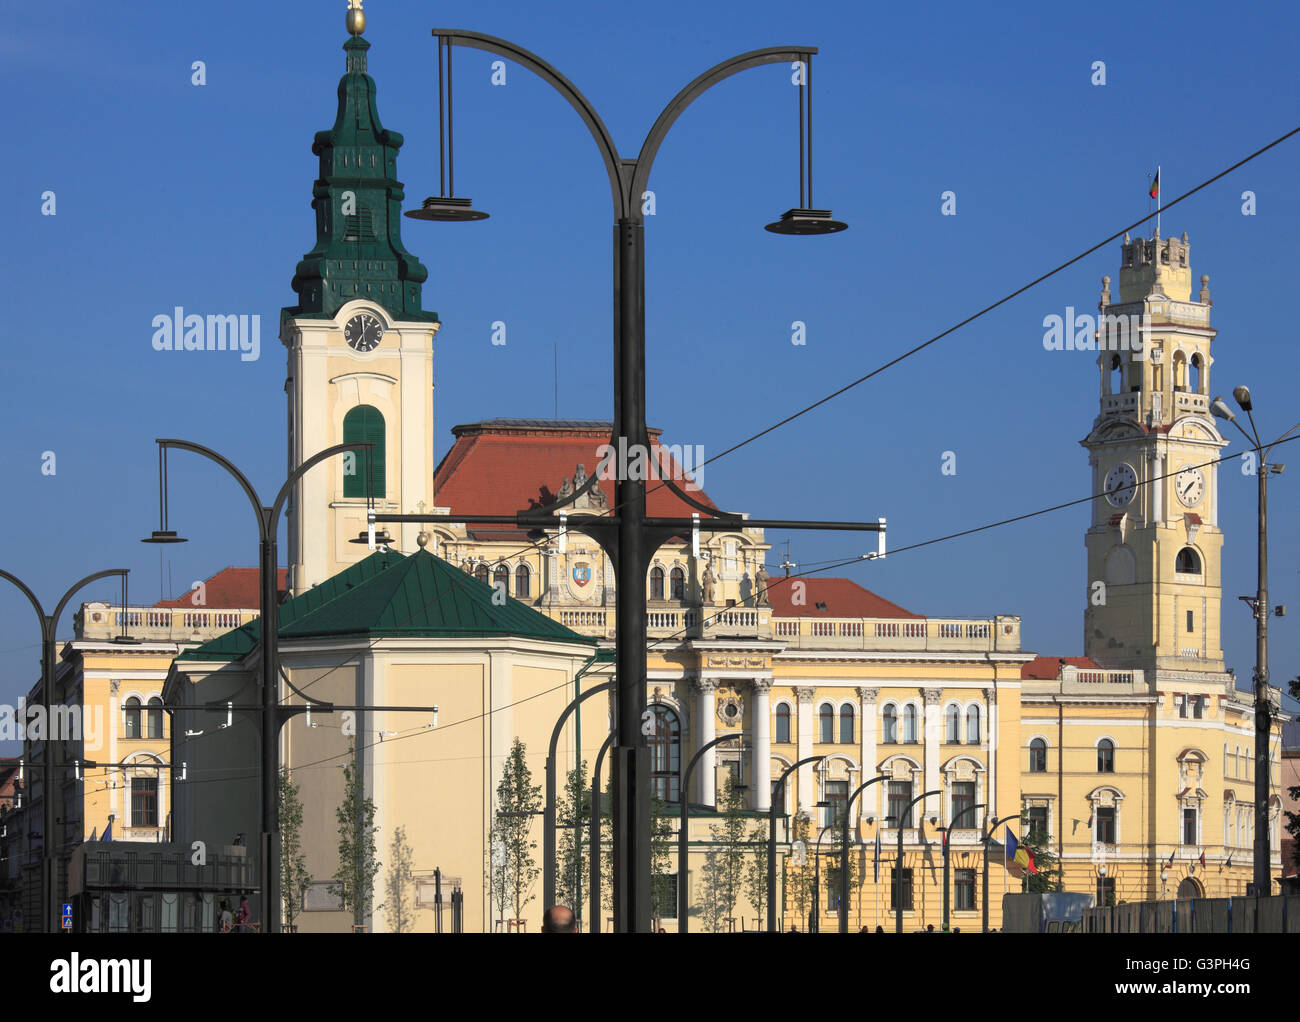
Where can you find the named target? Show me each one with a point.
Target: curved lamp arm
(58, 610)
(312, 462)
(211, 455)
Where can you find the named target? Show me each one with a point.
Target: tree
(756, 874)
(832, 856)
(400, 885)
(1048, 877)
(724, 867)
(572, 814)
(519, 800)
(799, 869)
(662, 902)
(497, 876)
(294, 875)
(354, 880)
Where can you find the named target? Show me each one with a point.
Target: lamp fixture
(803, 219)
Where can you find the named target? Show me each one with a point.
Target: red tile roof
(228, 589)
(1048, 668)
(840, 597)
(502, 466)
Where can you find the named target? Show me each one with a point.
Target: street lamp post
(49, 857)
(898, 863)
(548, 826)
(778, 798)
(844, 850)
(947, 856)
(987, 838)
(273, 714)
(815, 924)
(1259, 605)
(630, 538)
(682, 906)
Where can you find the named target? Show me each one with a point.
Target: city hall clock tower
(360, 345)
(1154, 545)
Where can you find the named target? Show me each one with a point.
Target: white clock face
(1189, 484)
(1121, 485)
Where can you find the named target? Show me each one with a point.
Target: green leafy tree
(519, 801)
(724, 872)
(1293, 792)
(799, 874)
(756, 874)
(572, 815)
(662, 842)
(399, 886)
(497, 875)
(295, 878)
(1048, 877)
(354, 880)
(832, 856)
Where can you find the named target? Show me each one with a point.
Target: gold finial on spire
(356, 18)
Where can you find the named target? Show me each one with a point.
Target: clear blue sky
(170, 194)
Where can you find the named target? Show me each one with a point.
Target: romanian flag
(1155, 185)
(1025, 859)
(1022, 859)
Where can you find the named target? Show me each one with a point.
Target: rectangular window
(144, 801)
(1037, 823)
(963, 799)
(832, 874)
(1191, 622)
(964, 890)
(905, 888)
(1189, 826)
(1105, 891)
(1198, 706)
(1106, 825)
(1182, 705)
(837, 795)
(900, 813)
(664, 896)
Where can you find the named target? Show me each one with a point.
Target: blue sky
(172, 194)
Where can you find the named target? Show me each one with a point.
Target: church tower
(360, 344)
(1154, 545)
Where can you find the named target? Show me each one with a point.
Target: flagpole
(1159, 190)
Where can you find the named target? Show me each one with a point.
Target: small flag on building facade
(1155, 185)
(1202, 859)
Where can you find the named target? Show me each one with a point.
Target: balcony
(100, 622)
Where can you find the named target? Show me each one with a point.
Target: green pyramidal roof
(389, 594)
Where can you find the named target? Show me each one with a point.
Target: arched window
(1105, 756)
(890, 728)
(826, 718)
(665, 755)
(481, 573)
(133, 718)
(783, 723)
(1038, 756)
(909, 723)
(677, 583)
(656, 583)
(523, 582)
(1189, 888)
(1180, 372)
(1198, 374)
(846, 725)
(1116, 375)
(501, 578)
(1188, 562)
(155, 717)
(973, 725)
(952, 724)
(362, 423)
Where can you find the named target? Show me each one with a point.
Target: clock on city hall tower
(360, 347)
(1154, 544)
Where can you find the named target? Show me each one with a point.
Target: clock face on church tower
(1189, 484)
(1121, 485)
(363, 332)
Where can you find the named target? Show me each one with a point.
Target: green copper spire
(358, 204)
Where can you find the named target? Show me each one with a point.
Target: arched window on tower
(783, 723)
(1180, 372)
(1198, 374)
(523, 582)
(1188, 562)
(677, 583)
(656, 583)
(1116, 375)
(363, 423)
